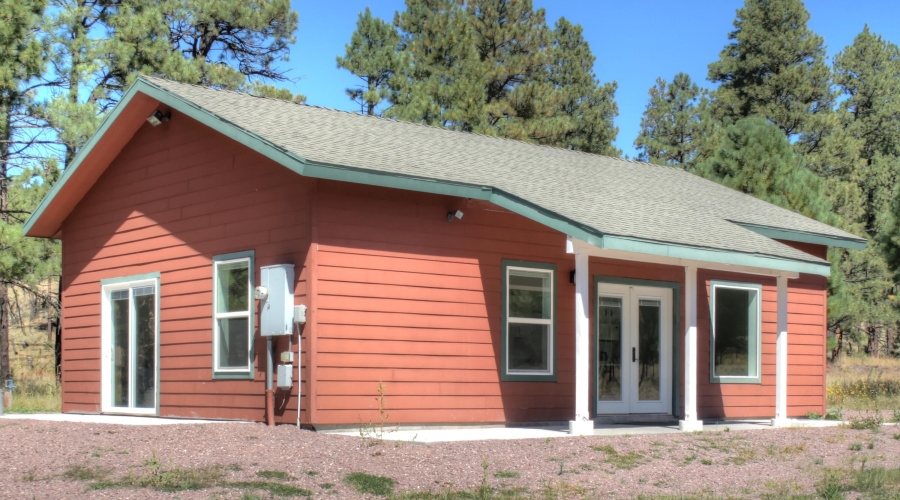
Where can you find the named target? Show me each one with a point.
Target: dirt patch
(72, 460)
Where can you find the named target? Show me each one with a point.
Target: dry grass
(32, 361)
(863, 383)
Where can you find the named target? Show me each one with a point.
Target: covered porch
(599, 408)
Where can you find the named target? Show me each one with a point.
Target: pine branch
(49, 298)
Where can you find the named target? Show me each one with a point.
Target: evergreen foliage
(82, 54)
(781, 125)
(755, 157)
(487, 66)
(773, 67)
(24, 176)
(673, 123)
(373, 56)
(100, 47)
(868, 73)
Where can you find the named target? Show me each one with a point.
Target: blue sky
(634, 42)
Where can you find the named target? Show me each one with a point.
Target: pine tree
(584, 106)
(373, 56)
(773, 67)
(22, 59)
(868, 73)
(100, 47)
(441, 84)
(488, 66)
(673, 122)
(755, 157)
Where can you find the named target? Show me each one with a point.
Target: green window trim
(522, 376)
(232, 374)
(754, 328)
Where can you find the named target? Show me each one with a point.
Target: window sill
(735, 380)
(521, 377)
(232, 375)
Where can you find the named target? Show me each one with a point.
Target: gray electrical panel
(277, 310)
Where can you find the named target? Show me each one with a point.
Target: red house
(479, 280)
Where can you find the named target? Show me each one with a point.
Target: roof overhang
(805, 237)
(143, 97)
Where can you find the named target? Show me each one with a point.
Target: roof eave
(385, 179)
(38, 224)
(850, 241)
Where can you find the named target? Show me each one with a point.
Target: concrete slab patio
(436, 435)
(433, 435)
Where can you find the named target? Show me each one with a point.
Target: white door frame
(106, 340)
(630, 296)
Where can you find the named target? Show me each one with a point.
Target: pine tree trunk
(836, 352)
(4, 333)
(57, 346)
(4, 219)
(872, 347)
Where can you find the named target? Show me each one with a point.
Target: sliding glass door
(130, 346)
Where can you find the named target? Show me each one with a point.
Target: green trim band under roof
(714, 255)
(397, 181)
(804, 237)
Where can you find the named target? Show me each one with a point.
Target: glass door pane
(121, 352)
(648, 355)
(133, 356)
(609, 339)
(145, 347)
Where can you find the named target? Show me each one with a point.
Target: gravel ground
(37, 454)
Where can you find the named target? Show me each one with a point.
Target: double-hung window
(233, 315)
(735, 338)
(529, 321)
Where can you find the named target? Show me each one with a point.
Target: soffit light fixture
(158, 117)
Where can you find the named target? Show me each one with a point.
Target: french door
(130, 346)
(633, 349)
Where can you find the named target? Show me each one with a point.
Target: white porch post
(781, 347)
(690, 422)
(582, 425)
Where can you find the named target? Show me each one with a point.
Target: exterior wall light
(158, 117)
(454, 215)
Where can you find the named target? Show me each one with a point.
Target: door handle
(634, 354)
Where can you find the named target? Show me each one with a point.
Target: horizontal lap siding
(410, 300)
(402, 296)
(806, 351)
(176, 196)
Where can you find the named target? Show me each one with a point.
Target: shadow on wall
(413, 300)
(176, 196)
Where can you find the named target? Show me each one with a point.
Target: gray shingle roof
(610, 195)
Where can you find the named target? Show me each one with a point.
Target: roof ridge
(558, 158)
(405, 122)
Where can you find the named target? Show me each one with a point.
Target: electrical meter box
(285, 376)
(277, 310)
